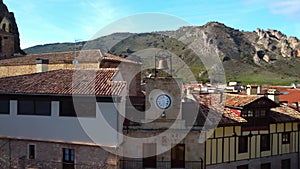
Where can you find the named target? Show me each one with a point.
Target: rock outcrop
(273, 40)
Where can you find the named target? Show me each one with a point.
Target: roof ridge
(84, 50)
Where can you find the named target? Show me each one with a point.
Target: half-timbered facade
(268, 137)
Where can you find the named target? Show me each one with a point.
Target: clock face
(163, 101)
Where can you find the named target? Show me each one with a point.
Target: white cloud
(97, 15)
(288, 7)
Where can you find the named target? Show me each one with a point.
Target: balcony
(138, 164)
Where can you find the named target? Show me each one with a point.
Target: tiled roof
(114, 58)
(289, 95)
(90, 56)
(234, 100)
(83, 56)
(284, 114)
(217, 114)
(232, 116)
(64, 82)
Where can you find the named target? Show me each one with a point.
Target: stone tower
(9, 27)
(7, 38)
(164, 99)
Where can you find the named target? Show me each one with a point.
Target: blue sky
(51, 21)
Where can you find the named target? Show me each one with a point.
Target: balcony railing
(138, 164)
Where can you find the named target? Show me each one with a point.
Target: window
(242, 167)
(265, 142)
(80, 108)
(285, 138)
(68, 158)
(265, 166)
(31, 107)
(43, 108)
(286, 164)
(260, 113)
(67, 109)
(263, 113)
(4, 106)
(178, 156)
(4, 27)
(31, 151)
(149, 152)
(248, 113)
(85, 108)
(243, 144)
(26, 107)
(10, 28)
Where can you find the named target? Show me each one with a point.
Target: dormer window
(255, 113)
(248, 113)
(261, 113)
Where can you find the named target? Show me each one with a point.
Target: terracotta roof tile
(111, 57)
(284, 114)
(234, 100)
(64, 82)
(289, 95)
(227, 116)
(216, 114)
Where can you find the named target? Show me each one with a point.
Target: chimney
(253, 89)
(273, 94)
(297, 106)
(42, 65)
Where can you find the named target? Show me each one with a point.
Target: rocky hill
(5, 12)
(261, 56)
(103, 43)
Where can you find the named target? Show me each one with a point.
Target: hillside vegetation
(261, 56)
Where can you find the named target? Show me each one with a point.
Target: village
(87, 110)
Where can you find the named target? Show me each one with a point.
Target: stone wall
(7, 46)
(194, 151)
(6, 71)
(14, 155)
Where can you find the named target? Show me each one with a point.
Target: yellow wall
(224, 143)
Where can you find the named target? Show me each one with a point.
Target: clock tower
(163, 94)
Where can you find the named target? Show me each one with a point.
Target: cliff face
(261, 46)
(10, 15)
(275, 41)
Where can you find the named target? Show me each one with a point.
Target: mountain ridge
(263, 56)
